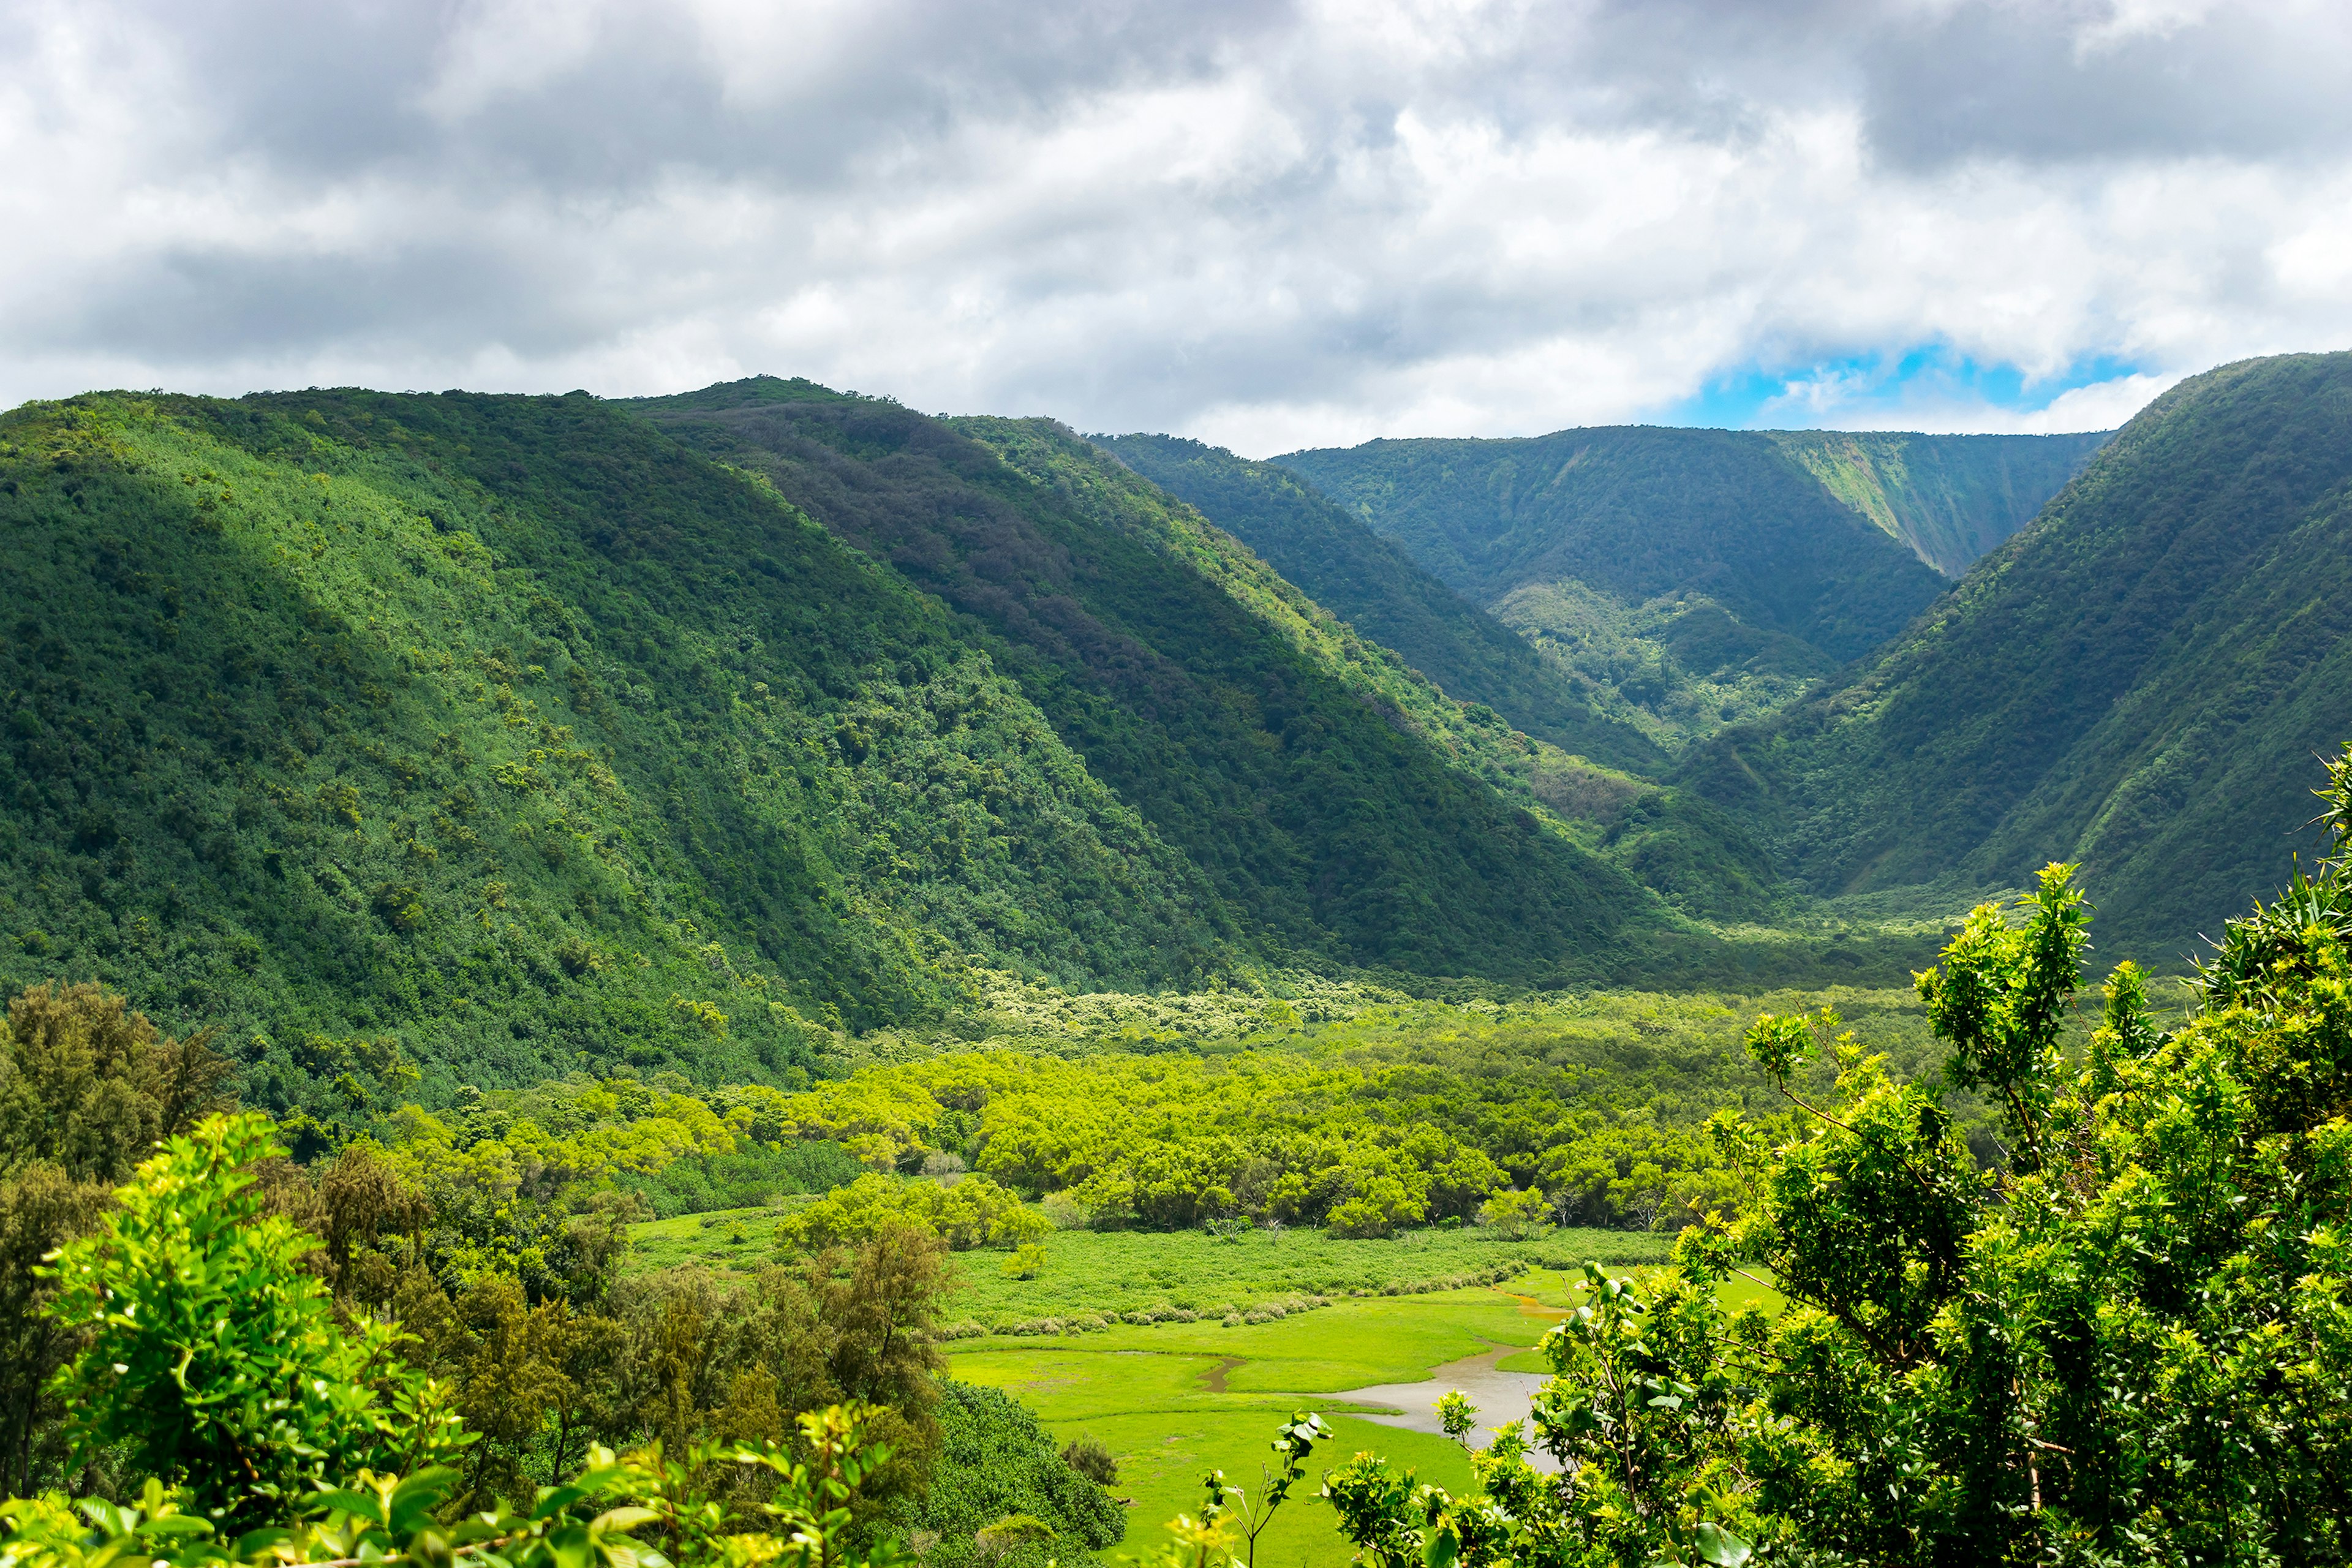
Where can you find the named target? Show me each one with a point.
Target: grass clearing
(1175, 1400)
(1105, 1274)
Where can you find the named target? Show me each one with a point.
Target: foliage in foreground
(269, 1432)
(2132, 1342)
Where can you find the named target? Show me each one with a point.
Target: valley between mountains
(683, 913)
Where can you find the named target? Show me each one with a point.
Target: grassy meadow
(1173, 1401)
(1091, 1277)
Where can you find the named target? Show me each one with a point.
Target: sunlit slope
(2139, 680)
(1639, 513)
(1377, 588)
(1340, 805)
(1949, 498)
(514, 731)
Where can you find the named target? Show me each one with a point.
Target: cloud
(1271, 225)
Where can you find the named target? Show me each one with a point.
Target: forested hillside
(509, 727)
(1377, 588)
(1693, 579)
(490, 737)
(1949, 498)
(1639, 514)
(1339, 804)
(1337, 798)
(1696, 578)
(2139, 681)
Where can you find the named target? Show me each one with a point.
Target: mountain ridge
(2137, 680)
(1372, 583)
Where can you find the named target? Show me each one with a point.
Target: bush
(975, 1212)
(997, 1463)
(1092, 1458)
(213, 1361)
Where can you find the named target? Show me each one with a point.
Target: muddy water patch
(1501, 1397)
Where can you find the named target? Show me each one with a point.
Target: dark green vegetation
(1377, 588)
(1334, 802)
(1696, 578)
(487, 738)
(2130, 1342)
(1004, 1493)
(2138, 681)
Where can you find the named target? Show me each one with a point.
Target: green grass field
(1175, 1400)
(1103, 1275)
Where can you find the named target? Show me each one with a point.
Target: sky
(1269, 225)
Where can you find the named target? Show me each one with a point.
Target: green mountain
(1949, 498)
(1640, 514)
(2139, 680)
(495, 737)
(512, 730)
(1336, 802)
(1383, 593)
(1695, 577)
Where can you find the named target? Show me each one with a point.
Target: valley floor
(1173, 1401)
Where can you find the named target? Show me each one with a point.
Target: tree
(87, 1087)
(211, 1360)
(215, 1366)
(1516, 1213)
(2130, 1342)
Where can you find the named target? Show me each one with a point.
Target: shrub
(1380, 1206)
(1515, 1214)
(213, 1361)
(975, 1212)
(1092, 1458)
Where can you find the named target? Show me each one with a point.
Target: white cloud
(1271, 226)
